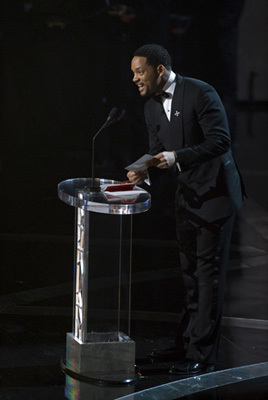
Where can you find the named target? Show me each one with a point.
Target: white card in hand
(143, 163)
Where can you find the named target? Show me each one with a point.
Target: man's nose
(135, 78)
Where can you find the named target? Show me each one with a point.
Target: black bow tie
(165, 94)
(162, 94)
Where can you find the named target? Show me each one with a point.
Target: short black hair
(155, 55)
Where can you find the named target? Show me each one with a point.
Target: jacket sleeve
(213, 123)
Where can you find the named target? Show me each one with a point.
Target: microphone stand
(114, 116)
(94, 188)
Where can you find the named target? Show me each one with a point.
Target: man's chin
(144, 94)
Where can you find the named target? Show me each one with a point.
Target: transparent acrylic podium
(97, 347)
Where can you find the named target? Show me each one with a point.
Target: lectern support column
(80, 323)
(81, 275)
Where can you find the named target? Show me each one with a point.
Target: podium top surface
(77, 193)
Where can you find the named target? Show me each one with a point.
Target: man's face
(146, 77)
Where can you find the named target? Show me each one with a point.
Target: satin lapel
(160, 114)
(163, 126)
(176, 121)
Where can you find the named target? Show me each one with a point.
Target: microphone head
(113, 113)
(121, 115)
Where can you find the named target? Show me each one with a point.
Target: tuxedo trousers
(203, 251)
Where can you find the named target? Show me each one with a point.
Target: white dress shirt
(169, 88)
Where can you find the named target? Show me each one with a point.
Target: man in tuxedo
(189, 137)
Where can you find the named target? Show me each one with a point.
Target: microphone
(115, 115)
(121, 115)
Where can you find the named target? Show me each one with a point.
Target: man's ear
(161, 69)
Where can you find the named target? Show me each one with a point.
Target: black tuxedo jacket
(209, 183)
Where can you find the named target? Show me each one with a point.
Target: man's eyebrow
(138, 69)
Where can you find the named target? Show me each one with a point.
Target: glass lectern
(97, 346)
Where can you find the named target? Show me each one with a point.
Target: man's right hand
(137, 177)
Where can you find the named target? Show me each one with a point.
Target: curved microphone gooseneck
(115, 115)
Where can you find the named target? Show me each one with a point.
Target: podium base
(105, 356)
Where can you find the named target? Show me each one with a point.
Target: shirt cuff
(169, 157)
(147, 180)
